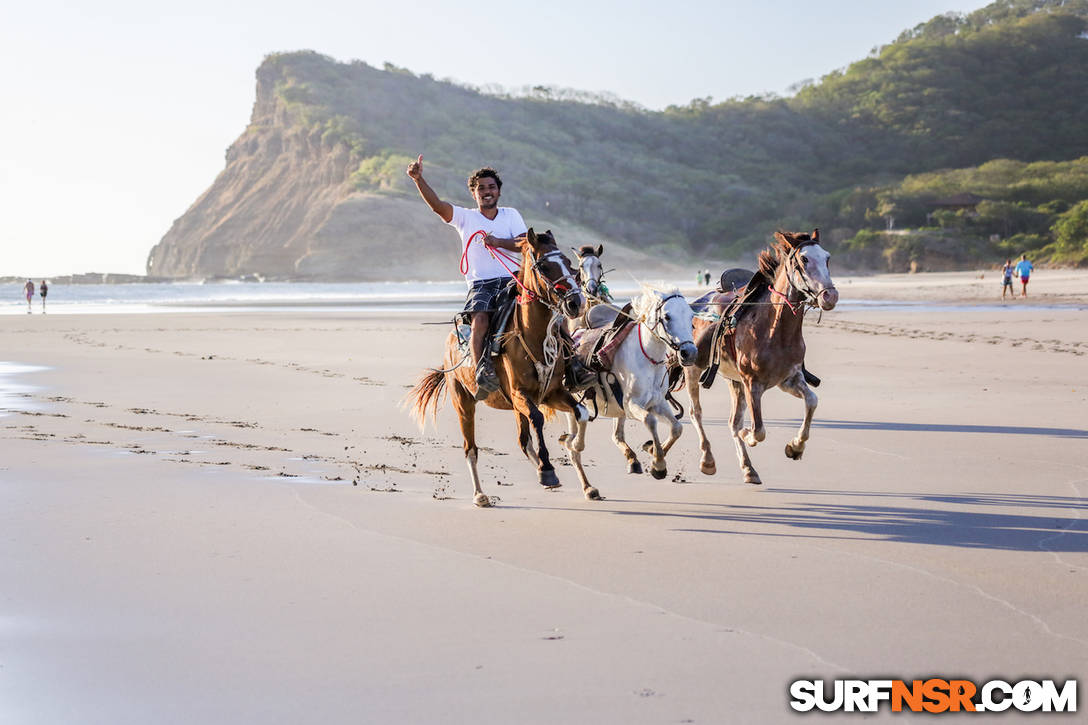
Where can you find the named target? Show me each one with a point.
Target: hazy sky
(117, 113)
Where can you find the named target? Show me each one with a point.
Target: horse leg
(633, 466)
(575, 442)
(665, 413)
(796, 385)
(525, 407)
(653, 446)
(691, 381)
(736, 423)
(753, 393)
(464, 403)
(525, 439)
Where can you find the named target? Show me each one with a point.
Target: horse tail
(427, 393)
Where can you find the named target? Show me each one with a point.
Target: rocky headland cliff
(305, 196)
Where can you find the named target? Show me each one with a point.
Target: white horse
(662, 322)
(590, 276)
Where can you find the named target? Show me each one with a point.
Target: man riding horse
(484, 231)
(485, 273)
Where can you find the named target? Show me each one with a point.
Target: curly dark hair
(478, 174)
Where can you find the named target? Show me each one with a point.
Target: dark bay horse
(530, 367)
(766, 348)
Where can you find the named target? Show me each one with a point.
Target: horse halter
(802, 284)
(584, 280)
(558, 294)
(659, 322)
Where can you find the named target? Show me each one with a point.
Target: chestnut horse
(765, 348)
(530, 367)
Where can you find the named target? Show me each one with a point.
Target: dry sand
(226, 518)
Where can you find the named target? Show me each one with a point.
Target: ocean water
(190, 296)
(14, 393)
(268, 296)
(425, 297)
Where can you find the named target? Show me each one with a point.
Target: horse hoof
(648, 447)
(794, 453)
(548, 479)
(708, 468)
(658, 474)
(563, 438)
(593, 494)
(634, 467)
(753, 478)
(482, 501)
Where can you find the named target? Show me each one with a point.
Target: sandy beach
(226, 517)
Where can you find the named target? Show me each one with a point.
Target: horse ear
(531, 237)
(781, 238)
(600, 249)
(816, 235)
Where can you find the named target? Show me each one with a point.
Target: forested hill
(315, 186)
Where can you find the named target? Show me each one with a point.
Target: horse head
(669, 317)
(548, 274)
(806, 264)
(590, 270)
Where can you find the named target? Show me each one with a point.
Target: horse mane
(771, 258)
(647, 300)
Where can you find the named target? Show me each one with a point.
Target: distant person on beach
(29, 289)
(706, 277)
(1024, 268)
(1006, 279)
(485, 273)
(43, 290)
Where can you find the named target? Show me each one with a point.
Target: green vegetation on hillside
(1009, 207)
(999, 95)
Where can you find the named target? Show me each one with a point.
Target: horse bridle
(809, 296)
(559, 297)
(665, 336)
(578, 274)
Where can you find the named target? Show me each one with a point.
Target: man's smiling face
(486, 193)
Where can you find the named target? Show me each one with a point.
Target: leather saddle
(596, 345)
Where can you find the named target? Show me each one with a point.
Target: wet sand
(226, 518)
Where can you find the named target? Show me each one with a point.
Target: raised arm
(442, 208)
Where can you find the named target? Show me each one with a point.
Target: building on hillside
(965, 202)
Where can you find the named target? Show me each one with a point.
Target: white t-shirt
(507, 224)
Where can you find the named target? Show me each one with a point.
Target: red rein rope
(464, 255)
(499, 256)
(655, 362)
(784, 299)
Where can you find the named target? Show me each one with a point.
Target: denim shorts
(482, 294)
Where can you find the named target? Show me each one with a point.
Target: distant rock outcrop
(289, 205)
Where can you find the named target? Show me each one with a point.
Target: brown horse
(530, 368)
(765, 348)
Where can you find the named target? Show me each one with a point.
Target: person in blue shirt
(1024, 269)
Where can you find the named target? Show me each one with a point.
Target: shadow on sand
(917, 427)
(1041, 523)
